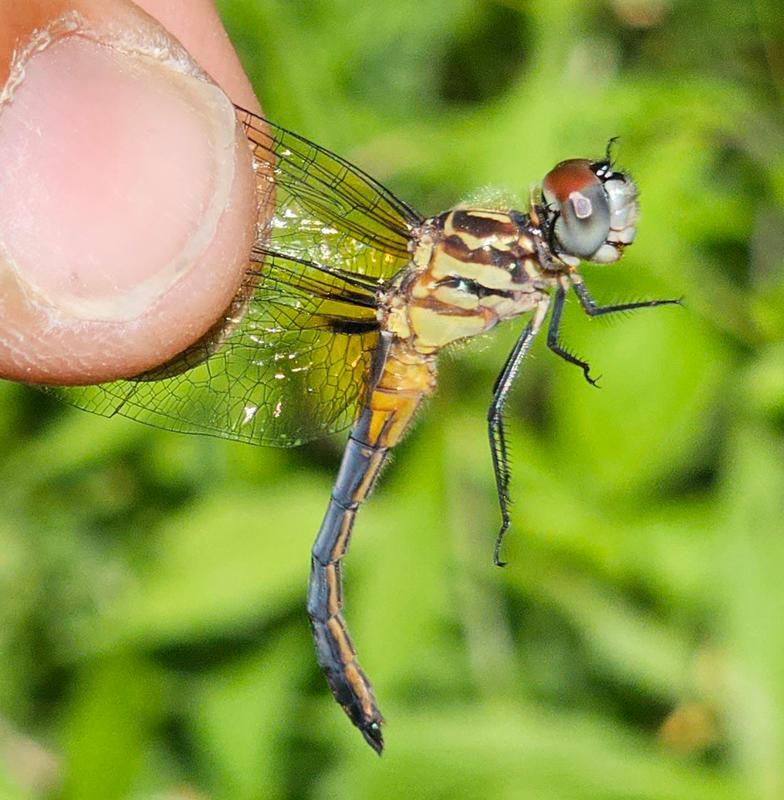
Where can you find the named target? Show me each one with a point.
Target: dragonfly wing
(288, 362)
(283, 366)
(326, 210)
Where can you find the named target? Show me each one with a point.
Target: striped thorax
(471, 268)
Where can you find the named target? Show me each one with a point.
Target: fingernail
(115, 168)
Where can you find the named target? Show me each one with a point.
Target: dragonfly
(349, 297)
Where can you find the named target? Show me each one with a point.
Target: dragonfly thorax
(471, 268)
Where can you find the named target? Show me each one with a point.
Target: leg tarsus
(593, 310)
(572, 359)
(554, 345)
(497, 560)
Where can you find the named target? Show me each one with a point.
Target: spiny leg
(500, 456)
(495, 422)
(502, 475)
(552, 337)
(497, 434)
(503, 460)
(593, 310)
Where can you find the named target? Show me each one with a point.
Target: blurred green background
(153, 640)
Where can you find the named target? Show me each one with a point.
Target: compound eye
(578, 201)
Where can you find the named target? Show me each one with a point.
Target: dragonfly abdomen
(405, 380)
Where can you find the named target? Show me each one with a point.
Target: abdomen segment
(404, 381)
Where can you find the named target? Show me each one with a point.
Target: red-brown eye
(579, 206)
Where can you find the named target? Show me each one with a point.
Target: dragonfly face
(349, 298)
(592, 210)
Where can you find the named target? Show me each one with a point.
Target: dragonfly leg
(593, 310)
(495, 419)
(334, 649)
(552, 338)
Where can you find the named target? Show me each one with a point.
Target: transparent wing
(289, 360)
(326, 210)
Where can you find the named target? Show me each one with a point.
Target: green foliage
(153, 640)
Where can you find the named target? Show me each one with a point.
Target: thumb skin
(127, 193)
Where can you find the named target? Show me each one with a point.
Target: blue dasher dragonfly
(348, 300)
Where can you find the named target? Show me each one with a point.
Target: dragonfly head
(590, 210)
